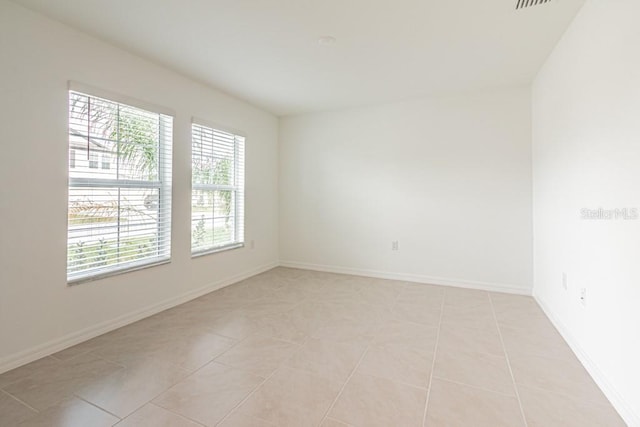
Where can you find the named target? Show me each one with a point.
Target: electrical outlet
(394, 245)
(252, 244)
(565, 283)
(583, 296)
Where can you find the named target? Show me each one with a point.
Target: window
(93, 159)
(217, 195)
(119, 216)
(106, 162)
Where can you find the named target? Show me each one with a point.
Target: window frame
(238, 188)
(163, 184)
(105, 162)
(94, 158)
(72, 158)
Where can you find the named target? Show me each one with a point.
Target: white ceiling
(267, 51)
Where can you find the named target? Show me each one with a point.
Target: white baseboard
(619, 403)
(53, 346)
(458, 283)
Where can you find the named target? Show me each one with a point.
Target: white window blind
(217, 195)
(119, 215)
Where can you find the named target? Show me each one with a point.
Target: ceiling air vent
(528, 3)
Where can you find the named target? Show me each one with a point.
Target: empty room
(286, 213)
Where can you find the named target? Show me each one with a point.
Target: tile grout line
(353, 371)
(124, 367)
(171, 412)
(433, 363)
(10, 383)
(99, 407)
(165, 409)
(483, 353)
(145, 403)
(375, 375)
(150, 401)
(406, 384)
(248, 396)
(473, 386)
(506, 356)
(566, 396)
(19, 400)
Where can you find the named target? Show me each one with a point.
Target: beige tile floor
(300, 348)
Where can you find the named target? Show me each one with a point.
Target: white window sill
(217, 250)
(108, 273)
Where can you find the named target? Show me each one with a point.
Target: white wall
(38, 311)
(448, 178)
(586, 127)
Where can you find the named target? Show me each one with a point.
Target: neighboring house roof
(81, 142)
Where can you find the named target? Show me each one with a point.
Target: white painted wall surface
(38, 311)
(586, 138)
(448, 178)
